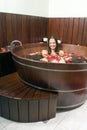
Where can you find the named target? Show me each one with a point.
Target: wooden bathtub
(69, 80)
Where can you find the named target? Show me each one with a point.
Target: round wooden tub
(69, 80)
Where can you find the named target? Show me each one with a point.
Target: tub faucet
(15, 43)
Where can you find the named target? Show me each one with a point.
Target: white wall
(67, 8)
(27, 7)
(45, 8)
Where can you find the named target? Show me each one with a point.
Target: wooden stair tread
(12, 87)
(22, 103)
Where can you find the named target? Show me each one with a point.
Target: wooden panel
(0, 105)
(25, 35)
(33, 28)
(4, 107)
(43, 109)
(1, 34)
(21, 27)
(3, 30)
(69, 30)
(23, 110)
(52, 27)
(13, 108)
(75, 31)
(61, 29)
(84, 38)
(9, 28)
(80, 31)
(52, 109)
(65, 30)
(33, 110)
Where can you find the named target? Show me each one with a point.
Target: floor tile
(76, 119)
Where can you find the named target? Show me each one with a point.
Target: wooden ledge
(23, 103)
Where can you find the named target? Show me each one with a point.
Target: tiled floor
(75, 119)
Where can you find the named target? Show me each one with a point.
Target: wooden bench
(22, 103)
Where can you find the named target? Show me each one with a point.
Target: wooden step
(22, 103)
